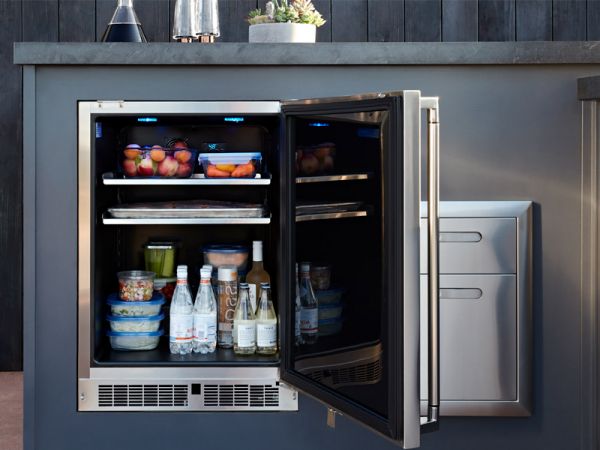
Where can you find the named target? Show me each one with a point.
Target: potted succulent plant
(285, 21)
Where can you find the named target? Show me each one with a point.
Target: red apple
(168, 167)
(309, 164)
(146, 167)
(184, 170)
(129, 168)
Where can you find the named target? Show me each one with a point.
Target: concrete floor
(11, 410)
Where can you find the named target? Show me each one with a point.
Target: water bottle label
(205, 327)
(266, 334)
(181, 328)
(309, 320)
(297, 324)
(246, 334)
(252, 295)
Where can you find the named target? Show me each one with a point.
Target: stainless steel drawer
(478, 339)
(474, 245)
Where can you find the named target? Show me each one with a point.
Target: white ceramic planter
(282, 32)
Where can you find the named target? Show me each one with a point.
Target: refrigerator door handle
(431, 104)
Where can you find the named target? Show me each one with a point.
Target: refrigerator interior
(120, 247)
(349, 357)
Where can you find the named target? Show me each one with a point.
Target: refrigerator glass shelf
(198, 179)
(107, 219)
(330, 178)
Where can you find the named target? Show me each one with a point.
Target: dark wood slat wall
(347, 20)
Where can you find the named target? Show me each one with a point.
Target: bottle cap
(182, 271)
(257, 251)
(265, 285)
(207, 266)
(205, 273)
(227, 273)
(305, 267)
(243, 285)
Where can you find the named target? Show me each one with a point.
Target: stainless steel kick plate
(485, 308)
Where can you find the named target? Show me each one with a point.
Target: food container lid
(136, 274)
(226, 249)
(321, 266)
(135, 333)
(333, 321)
(227, 273)
(331, 306)
(160, 283)
(157, 299)
(231, 158)
(112, 318)
(160, 245)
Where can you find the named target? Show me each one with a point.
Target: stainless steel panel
(478, 337)
(474, 245)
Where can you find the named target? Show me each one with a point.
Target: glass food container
(160, 258)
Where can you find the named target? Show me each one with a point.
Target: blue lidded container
(135, 323)
(218, 255)
(129, 341)
(150, 307)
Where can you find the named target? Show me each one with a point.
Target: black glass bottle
(124, 25)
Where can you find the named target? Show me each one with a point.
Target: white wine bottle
(266, 323)
(244, 325)
(257, 274)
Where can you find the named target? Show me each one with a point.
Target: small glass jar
(320, 276)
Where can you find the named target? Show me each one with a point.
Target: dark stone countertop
(398, 53)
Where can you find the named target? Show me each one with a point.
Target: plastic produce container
(328, 327)
(159, 257)
(226, 255)
(136, 285)
(165, 286)
(150, 307)
(330, 311)
(230, 165)
(147, 340)
(157, 162)
(329, 296)
(135, 323)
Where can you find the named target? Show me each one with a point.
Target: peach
(129, 168)
(157, 154)
(184, 170)
(168, 167)
(183, 156)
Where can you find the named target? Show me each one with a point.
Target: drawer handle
(460, 236)
(461, 293)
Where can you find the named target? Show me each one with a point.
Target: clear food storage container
(136, 285)
(147, 340)
(157, 162)
(328, 327)
(159, 257)
(135, 323)
(320, 276)
(150, 307)
(330, 311)
(166, 286)
(329, 296)
(230, 165)
(226, 255)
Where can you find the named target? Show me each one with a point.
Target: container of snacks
(159, 257)
(226, 255)
(124, 340)
(329, 296)
(135, 323)
(230, 165)
(136, 285)
(157, 162)
(320, 276)
(165, 286)
(150, 307)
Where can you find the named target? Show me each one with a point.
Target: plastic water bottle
(205, 315)
(181, 319)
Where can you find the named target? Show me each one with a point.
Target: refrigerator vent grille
(229, 395)
(369, 373)
(142, 395)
